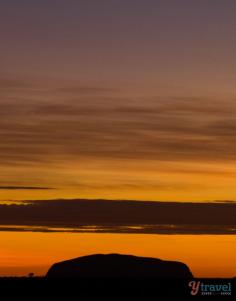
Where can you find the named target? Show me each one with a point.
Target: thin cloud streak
(134, 229)
(24, 188)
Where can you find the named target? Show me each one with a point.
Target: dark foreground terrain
(114, 277)
(42, 288)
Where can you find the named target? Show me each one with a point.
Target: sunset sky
(118, 99)
(107, 100)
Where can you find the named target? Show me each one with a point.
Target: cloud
(119, 216)
(135, 229)
(42, 122)
(24, 188)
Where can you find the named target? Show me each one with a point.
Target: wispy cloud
(46, 126)
(96, 122)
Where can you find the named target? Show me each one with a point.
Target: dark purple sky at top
(179, 42)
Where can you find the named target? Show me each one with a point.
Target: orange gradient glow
(126, 179)
(206, 255)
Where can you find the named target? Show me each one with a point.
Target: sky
(201, 261)
(107, 101)
(118, 100)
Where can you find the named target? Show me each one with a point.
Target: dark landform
(118, 266)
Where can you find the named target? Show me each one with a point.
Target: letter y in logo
(195, 287)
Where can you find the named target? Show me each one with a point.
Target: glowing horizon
(44, 249)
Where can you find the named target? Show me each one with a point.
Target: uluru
(118, 266)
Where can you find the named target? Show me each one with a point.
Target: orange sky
(22, 253)
(123, 179)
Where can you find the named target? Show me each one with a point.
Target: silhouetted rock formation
(118, 266)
